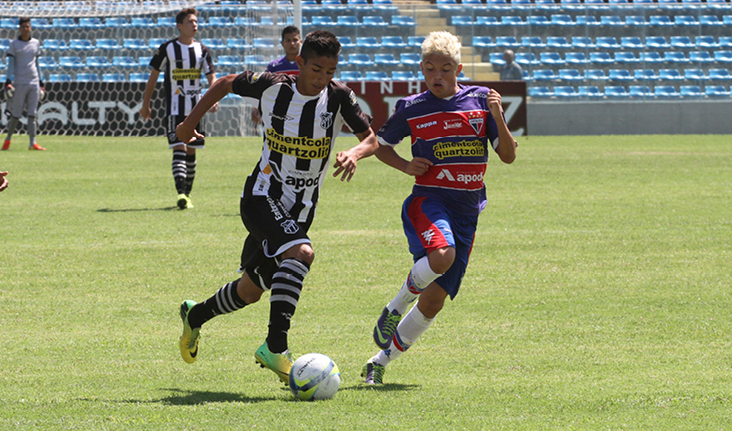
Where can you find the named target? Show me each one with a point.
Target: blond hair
(442, 42)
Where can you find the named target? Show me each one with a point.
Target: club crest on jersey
(290, 227)
(326, 120)
(476, 121)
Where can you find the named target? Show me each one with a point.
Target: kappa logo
(427, 235)
(290, 227)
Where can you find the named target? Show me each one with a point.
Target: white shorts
(25, 99)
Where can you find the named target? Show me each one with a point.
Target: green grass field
(597, 297)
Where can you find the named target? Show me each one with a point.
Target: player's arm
(3, 181)
(506, 144)
(149, 90)
(415, 167)
(346, 161)
(186, 130)
(11, 73)
(211, 77)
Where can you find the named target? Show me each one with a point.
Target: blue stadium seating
(124, 61)
(116, 22)
(155, 42)
(582, 42)
(214, 43)
(229, 61)
(112, 44)
(507, 42)
(681, 42)
(665, 91)
(415, 41)
(694, 75)
(557, 42)
(625, 57)
(219, 21)
(607, 42)
(710, 21)
(376, 75)
(166, 21)
(264, 42)
(98, 62)
(90, 23)
(616, 91)
(81, 44)
(670, 75)
(534, 42)
(351, 75)
(591, 91)
(496, 59)
(657, 43)
(538, 20)
(142, 22)
(251, 60)
(601, 58)
(71, 62)
(540, 91)
(690, 91)
(595, 75)
(701, 57)
(60, 77)
(611, 20)
(631, 42)
(139, 77)
(87, 77)
(410, 58)
(393, 42)
(347, 20)
(570, 75)
(576, 58)
(526, 59)
(135, 44)
(360, 59)
(486, 21)
(64, 23)
(651, 57)
(483, 42)
(55, 45)
(544, 75)
(685, 21)
(346, 42)
(716, 91)
(461, 20)
(368, 42)
(374, 21)
(562, 20)
(114, 77)
(47, 63)
(403, 20)
(565, 91)
(723, 56)
(238, 43)
(660, 21)
(725, 42)
(719, 74)
(403, 75)
(635, 21)
(620, 75)
(640, 91)
(512, 21)
(385, 59)
(551, 59)
(706, 42)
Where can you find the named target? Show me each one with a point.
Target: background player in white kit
(24, 85)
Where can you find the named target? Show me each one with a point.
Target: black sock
(286, 287)
(190, 172)
(179, 171)
(225, 300)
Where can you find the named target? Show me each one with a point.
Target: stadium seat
(701, 57)
(690, 91)
(376, 75)
(571, 5)
(139, 77)
(640, 91)
(719, 75)
(351, 75)
(114, 77)
(526, 59)
(47, 63)
(694, 75)
(393, 42)
(385, 59)
(660, 21)
(346, 42)
(534, 42)
(546, 5)
(71, 62)
(486, 21)
(512, 21)
(616, 91)
(595, 75)
(675, 57)
(725, 42)
(681, 42)
(229, 61)
(360, 59)
(166, 21)
(620, 75)
(496, 59)
(54, 45)
(538, 20)
(607, 42)
(347, 20)
(710, 21)
(245, 21)
(631, 42)
(540, 91)
(214, 43)
(410, 58)
(368, 42)
(723, 56)
(544, 75)
(591, 91)
(81, 44)
(60, 77)
(98, 62)
(403, 20)
(64, 23)
(107, 44)
(611, 21)
(264, 42)
(576, 58)
(716, 91)
(144, 61)
(685, 21)
(415, 41)
(483, 42)
(142, 22)
(582, 42)
(374, 21)
(562, 20)
(587, 20)
(671, 5)
(155, 42)
(521, 4)
(250, 60)
(652, 57)
(219, 21)
(116, 22)
(135, 44)
(565, 91)
(507, 42)
(601, 58)
(92, 23)
(551, 59)
(384, 5)
(323, 21)
(645, 75)
(706, 42)
(461, 20)
(657, 42)
(570, 75)
(237, 43)
(124, 61)
(557, 42)
(625, 57)
(87, 77)
(670, 75)
(37, 24)
(403, 75)
(635, 21)
(665, 91)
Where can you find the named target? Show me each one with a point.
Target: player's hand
(3, 181)
(187, 134)
(145, 113)
(256, 116)
(345, 164)
(42, 93)
(214, 108)
(494, 103)
(418, 166)
(9, 90)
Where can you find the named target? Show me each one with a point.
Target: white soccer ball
(314, 377)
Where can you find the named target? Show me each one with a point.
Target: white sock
(420, 276)
(412, 326)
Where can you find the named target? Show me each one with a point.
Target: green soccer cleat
(385, 328)
(373, 373)
(189, 340)
(183, 201)
(280, 363)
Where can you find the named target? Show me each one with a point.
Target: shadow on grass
(188, 398)
(387, 387)
(125, 210)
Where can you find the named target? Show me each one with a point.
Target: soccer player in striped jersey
(302, 116)
(183, 60)
(451, 127)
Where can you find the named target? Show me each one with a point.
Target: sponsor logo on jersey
(458, 177)
(429, 233)
(183, 74)
(298, 146)
(453, 124)
(464, 148)
(478, 95)
(298, 183)
(409, 103)
(427, 124)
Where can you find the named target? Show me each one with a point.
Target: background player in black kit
(302, 116)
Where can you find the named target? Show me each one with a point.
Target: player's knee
(441, 260)
(248, 291)
(303, 252)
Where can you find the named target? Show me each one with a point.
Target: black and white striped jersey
(183, 67)
(299, 135)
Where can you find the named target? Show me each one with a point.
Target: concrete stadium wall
(635, 118)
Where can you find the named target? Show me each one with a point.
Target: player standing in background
(291, 42)
(24, 85)
(303, 115)
(184, 59)
(450, 126)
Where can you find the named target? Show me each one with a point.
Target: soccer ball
(314, 377)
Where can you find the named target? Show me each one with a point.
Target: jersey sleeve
(253, 84)
(491, 130)
(354, 117)
(396, 127)
(208, 64)
(159, 59)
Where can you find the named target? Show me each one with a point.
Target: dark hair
(23, 20)
(320, 43)
(184, 13)
(290, 29)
